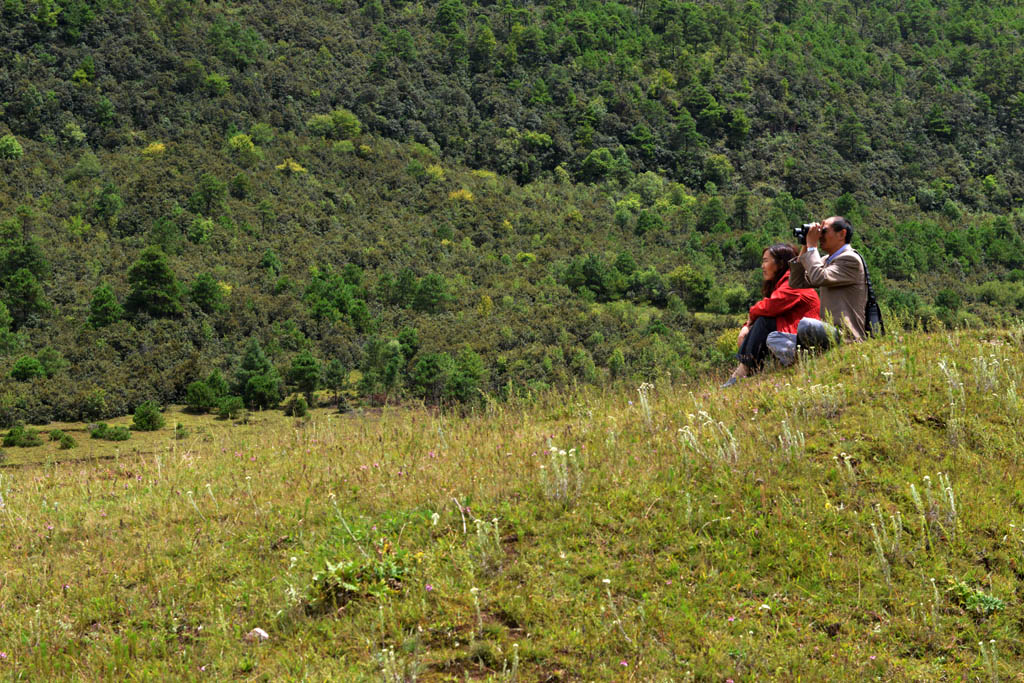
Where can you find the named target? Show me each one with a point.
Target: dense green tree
(671, 110)
(10, 148)
(256, 379)
(304, 373)
(209, 194)
(147, 417)
(108, 205)
(53, 361)
(431, 375)
(431, 293)
(154, 288)
(23, 253)
(207, 293)
(8, 339)
(24, 297)
(467, 378)
(482, 47)
(335, 379)
(104, 309)
(218, 385)
(199, 397)
(26, 368)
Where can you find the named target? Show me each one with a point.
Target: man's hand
(744, 331)
(813, 236)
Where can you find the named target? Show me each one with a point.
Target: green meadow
(858, 517)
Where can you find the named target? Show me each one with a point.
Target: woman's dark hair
(782, 254)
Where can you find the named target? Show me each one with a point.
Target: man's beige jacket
(841, 285)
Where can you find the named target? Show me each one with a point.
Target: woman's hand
(744, 331)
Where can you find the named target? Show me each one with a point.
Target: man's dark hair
(841, 223)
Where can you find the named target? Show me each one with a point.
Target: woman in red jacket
(779, 311)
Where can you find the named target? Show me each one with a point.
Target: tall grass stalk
(791, 441)
(990, 659)
(956, 423)
(644, 391)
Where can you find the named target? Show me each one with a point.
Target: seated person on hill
(779, 311)
(840, 279)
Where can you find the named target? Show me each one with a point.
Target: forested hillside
(443, 201)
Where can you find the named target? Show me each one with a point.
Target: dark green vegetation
(271, 190)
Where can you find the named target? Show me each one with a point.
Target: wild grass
(796, 526)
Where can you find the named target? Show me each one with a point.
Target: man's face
(831, 241)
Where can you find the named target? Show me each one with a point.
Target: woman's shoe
(729, 382)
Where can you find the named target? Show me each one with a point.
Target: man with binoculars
(842, 286)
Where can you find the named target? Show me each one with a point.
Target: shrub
(180, 432)
(338, 584)
(52, 360)
(147, 417)
(346, 124)
(108, 433)
(230, 407)
(244, 149)
(27, 368)
(297, 407)
(200, 398)
(217, 384)
(22, 438)
(104, 308)
(67, 442)
(321, 124)
(216, 85)
(339, 124)
(10, 148)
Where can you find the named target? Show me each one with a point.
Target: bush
(27, 368)
(10, 148)
(217, 384)
(216, 85)
(108, 433)
(230, 407)
(20, 437)
(67, 442)
(147, 417)
(339, 124)
(200, 398)
(297, 407)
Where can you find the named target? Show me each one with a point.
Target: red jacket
(787, 306)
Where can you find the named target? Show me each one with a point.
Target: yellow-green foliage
(436, 173)
(790, 526)
(154, 148)
(460, 195)
(244, 149)
(290, 166)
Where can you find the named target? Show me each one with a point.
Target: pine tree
(24, 296)
(257, 380)
(104, 308)
(304, 373)
(155, 289)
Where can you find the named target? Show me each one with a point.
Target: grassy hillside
(857, 517)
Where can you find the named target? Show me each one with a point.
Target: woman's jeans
(754, 348)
